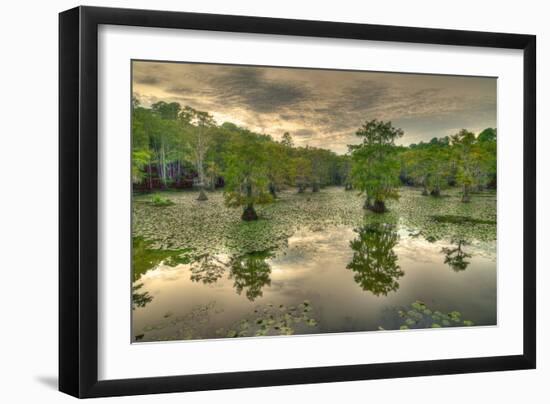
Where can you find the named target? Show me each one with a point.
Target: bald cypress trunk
(249, 213)
(378, 207)
(200, 152)
(202, 195)
(424, 189)
(368, 203)
(273, 190)
(150, 170)
(163, 165)
(315, 187)
(465, 193)
(436, 191)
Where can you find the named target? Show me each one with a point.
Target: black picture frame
(78, 201)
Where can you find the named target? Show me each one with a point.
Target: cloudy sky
(321, 108)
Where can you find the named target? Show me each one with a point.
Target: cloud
(322, 108)
(147, 80)
(363, 95)
(250, 88)
(304, 134)
(180, 90)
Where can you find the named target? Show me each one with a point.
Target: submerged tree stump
(273, 191)
(367, 204)
(377, 207)
(202, 196)
(249, 214)
(465, 194)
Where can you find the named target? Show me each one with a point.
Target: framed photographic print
(251, 201)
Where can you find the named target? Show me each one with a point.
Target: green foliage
(250, 273)
(428, 165)
(487, 135)
(246, 173)
(159, 200)
(207, 268)
(140, 159)
(198, 125)
(464, 149)
(171, 143)
(344, 171)
(375, 167)
(475, 160)
(287, 140)
(461, 220)
(462, 159)
(487, 141)
(167, 140)
(456, 257)
(303, 170)
(374, 262)
(166, 110)
(273, 319)
(214, 227)
(156, 139)
(419, 315)
(140, 299)
(278, 166)
(191, 325)
(144, 257)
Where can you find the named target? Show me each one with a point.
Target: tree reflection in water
(455, 257)
(250, 273)
(146, 258)
(374, 262)
(140, 299)
(207, 269)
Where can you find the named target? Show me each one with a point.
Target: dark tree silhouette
(455, 257)
(207, 269)
(374, 262)
(140, 299)
(250, 273)
(146, 258)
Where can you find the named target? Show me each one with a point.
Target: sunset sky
(321, 108)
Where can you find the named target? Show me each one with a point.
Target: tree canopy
(375, 169)
(181, 147)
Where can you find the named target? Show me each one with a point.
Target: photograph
(275, 201)
(234, 202)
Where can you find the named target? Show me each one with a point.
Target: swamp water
(314, 263)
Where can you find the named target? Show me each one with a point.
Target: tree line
(180, 147)
(175, 147)
(379, 166)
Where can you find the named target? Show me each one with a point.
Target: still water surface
(351, 279)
